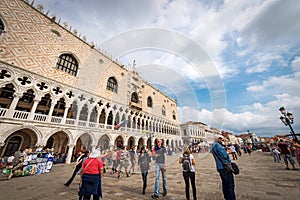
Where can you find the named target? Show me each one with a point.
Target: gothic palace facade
(59, 91)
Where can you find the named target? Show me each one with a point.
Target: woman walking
(76, 167)
(91, 176)
(188, 171)
(144, 161)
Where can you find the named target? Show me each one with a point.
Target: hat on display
(95, 153)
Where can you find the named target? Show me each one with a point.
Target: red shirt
(92, 166)
(284, 148)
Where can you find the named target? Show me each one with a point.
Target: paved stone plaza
(260, 178)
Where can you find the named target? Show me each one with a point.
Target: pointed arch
(7, 95)
(25, 103)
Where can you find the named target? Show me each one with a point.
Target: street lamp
(288, 119)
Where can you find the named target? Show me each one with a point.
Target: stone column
(70, 153)
(50, 112)
(106, 117)
(78, 114)
(13, 104)
(131, 125)
(98, 115)
(32, 112)
(88, 118)
(141, 125)
(65, 114)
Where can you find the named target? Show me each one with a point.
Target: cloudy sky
(229, 64)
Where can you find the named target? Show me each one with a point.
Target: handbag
(229, 167)
(235, 168)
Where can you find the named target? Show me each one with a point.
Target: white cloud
(262, 119)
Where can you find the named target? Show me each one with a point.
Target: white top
(191, 158)
(232, 148)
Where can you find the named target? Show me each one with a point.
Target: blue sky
(230, 64)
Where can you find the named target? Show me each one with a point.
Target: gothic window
(26, 101)
(84, 113)
(72, 112)
(1, 27)
(6, 95)
(112, 85)
(28, 96)
(59, 108)
(110, 118)
(174, 115)
(44, 105)
(134, 97)
(163, 110)
(149, 102)
(93, 116)
(67, 63)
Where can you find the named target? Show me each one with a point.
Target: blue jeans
(288, 157)
(144, 177)
(227, 185)
(159, 168)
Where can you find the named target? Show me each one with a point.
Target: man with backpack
(188, 171)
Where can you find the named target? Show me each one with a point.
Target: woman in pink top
(91, 175)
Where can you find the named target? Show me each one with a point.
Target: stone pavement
(259, 178)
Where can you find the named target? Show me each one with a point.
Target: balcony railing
(3, 111)
(37, 117)
(22, 115)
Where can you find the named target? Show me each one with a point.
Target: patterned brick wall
(34, 42)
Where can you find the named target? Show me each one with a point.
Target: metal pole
(292, 130)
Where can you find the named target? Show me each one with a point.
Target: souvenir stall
(26, 163)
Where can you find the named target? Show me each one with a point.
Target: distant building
(193, 133)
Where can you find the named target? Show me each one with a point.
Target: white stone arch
(92, 136)
(123, 137)
(134, 143)
(102, 139)
(66, 131)
(41, 94)
(16, 88)
(37, 132)
(141, 141)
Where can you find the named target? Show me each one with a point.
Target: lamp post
(288, 119)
